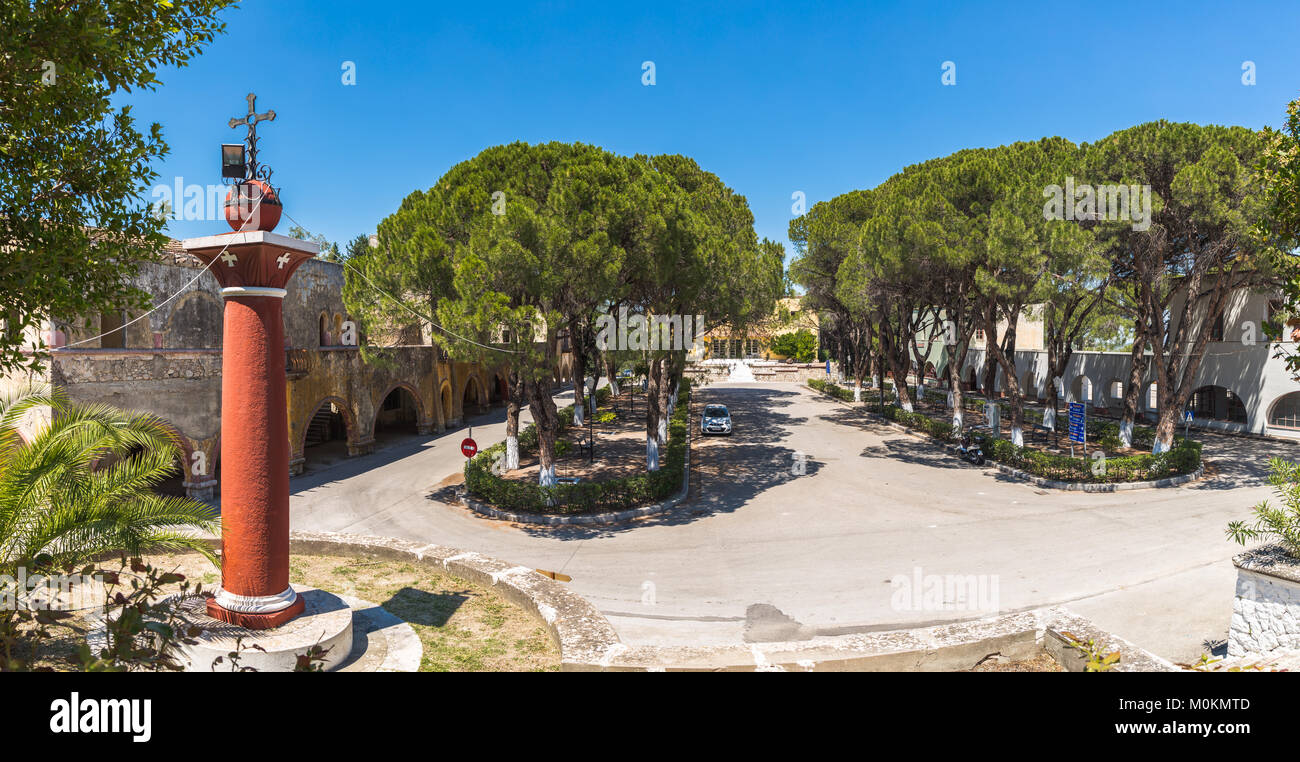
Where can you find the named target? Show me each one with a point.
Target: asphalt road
(881, 529)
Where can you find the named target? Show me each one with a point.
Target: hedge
(586, 497)
(1183, 458)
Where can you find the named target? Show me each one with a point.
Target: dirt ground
(620, 446)
(462, 626)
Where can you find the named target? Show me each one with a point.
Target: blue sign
(1188, 416)
(1078, 425)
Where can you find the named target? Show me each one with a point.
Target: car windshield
(715, 411)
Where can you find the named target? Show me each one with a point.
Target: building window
(979, 335)
(1286, 412)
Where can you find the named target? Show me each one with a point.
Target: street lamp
(232, 161)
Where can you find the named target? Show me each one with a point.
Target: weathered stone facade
(169, 364)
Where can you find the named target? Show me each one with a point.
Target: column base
(256, 621)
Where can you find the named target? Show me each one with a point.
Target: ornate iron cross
(263, 173)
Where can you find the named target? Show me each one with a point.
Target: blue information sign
(1077, 422)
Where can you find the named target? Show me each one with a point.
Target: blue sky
(773, 98)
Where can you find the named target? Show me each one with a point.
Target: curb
(588, 519)
(583, 635)
(1037, 481)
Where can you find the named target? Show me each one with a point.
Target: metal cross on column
(251, 119)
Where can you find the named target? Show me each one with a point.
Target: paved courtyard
(760, 553)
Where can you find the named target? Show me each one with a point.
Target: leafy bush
(800, 345)
(1184, 457)
(1279, 523)
(586, 497)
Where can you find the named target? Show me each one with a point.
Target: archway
(972, 380)
(1217, 403)
(472, 399)
(444, 397)
(499, 390)
(1112, 394)
(1081, 389)
(328, 430)
(326, 337)
(397, 414)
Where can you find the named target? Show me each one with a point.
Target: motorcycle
(970, 449)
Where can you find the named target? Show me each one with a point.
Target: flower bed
(1183, 458)
(586, 497)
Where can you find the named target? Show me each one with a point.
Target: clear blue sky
(773, 98)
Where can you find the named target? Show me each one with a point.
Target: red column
(253, 269)
(255, 591)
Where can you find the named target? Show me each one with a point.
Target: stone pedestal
(1266, 609)
(326, 620)
(253, 268)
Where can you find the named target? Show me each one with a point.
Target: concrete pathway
(760, 552)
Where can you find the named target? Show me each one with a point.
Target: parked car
(715, 420)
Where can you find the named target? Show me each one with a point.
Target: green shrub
(1280, 524)
(586, 497)
(1183, 458)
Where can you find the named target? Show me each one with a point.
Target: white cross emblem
(229, 259)
(283, 260)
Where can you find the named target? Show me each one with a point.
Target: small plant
(141, 631)
(1278, 523)
(1092, 652)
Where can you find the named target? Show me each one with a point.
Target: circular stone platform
(326, 621)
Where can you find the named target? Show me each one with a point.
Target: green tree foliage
(1202, 244)
(800, 345)
(74, 221)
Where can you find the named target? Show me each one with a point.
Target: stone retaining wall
(1266, 608)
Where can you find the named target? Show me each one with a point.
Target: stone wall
(1266, 608)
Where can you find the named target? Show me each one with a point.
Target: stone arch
(447, 402)
(325, 329)
(499, 391)
(473, 393)
(1081, 389)
(1112, 393)
(421, 415)
(344, 409)
(972, 379)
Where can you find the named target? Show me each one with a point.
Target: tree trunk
(514, 403)
(547, 422)
(579, 383)
(652, 416)
(954, 383)
(1133, 392)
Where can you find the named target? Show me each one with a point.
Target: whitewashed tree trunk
(994, 415)
(651, 454)
(512, 453)
(957, 418)
(1126, 433)
(663, 430)
(546, 476)
(950, 400)
(1049, 419)
(577, 415)
(1017, 436)
(857, 391)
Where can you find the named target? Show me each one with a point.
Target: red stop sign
(469, 447)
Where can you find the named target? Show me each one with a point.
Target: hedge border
(1039, 481)
(685, 396)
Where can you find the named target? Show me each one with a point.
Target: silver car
(715, 420)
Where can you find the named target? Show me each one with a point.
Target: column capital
(256, 258)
